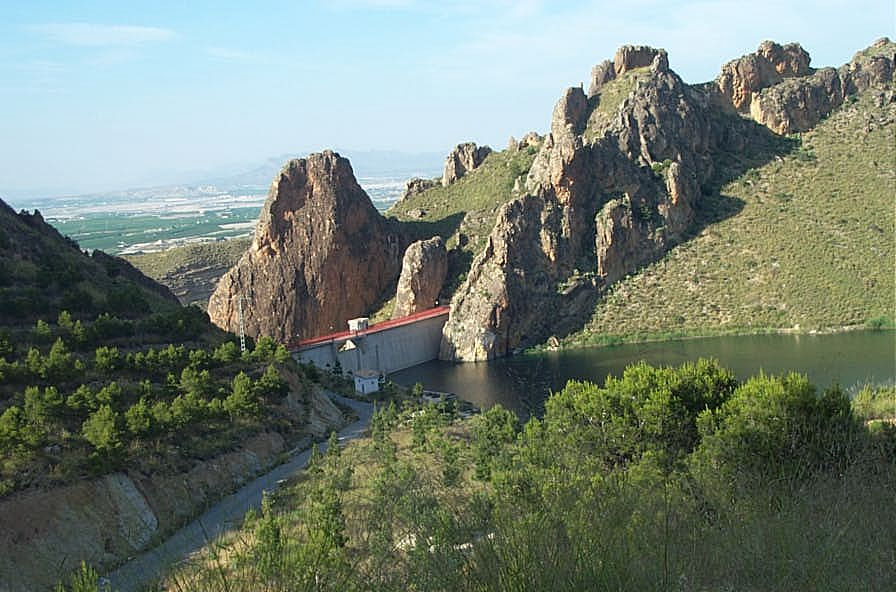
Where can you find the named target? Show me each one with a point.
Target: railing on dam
(385, 347)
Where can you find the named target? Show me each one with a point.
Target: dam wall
(385, 347)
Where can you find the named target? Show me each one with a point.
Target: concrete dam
(385, 347)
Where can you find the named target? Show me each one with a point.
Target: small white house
(367, 381)
(359, 324)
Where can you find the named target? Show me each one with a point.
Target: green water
(523, 382)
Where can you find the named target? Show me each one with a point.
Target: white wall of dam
(385, 350)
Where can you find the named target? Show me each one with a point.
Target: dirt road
(226, 515)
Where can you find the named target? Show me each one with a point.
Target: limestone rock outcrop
(530, 140)
(797, 104)
(321, 255)
(416, 186)
(464, 158)
(595, 208)
(423, 272)
(629, 57)
(769, 65)
(601, 74)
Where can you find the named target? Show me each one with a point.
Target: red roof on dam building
(391, 324)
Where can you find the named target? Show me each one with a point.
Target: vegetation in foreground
(85, 398)
(662, 479)
(808, 249)
(100, 368)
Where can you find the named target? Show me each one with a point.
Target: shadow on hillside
(414, 230)
(751, 146)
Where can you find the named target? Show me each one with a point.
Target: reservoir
(523, 382)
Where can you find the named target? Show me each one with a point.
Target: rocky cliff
(321, 255)
(465, 157)
(619, 179)
(423, 271)
(798, 104)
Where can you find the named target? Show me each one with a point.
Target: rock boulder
(416, 186)
(464, 158)
(769, 65)
(423, 272)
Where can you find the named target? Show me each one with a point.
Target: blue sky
(112, 94)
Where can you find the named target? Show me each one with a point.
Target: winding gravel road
(225, 515)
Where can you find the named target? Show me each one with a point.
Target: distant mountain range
(249, 177)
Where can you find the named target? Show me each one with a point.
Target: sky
(101, 95)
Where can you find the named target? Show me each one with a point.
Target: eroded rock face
(593, 211)
(769, 65)
(798, 104)
(531, 139)
(601, 74)
(629, 57)
(423, 272)
(570, 111)
(321, 255)
(416, 186)
(464, 158)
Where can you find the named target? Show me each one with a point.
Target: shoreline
(609, 341)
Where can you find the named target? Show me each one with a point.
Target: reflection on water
(523, 382)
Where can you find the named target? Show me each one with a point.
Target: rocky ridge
(617, 182)
(321, 255)
(464, 158)
(605, 196)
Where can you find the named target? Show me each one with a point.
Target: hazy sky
(110, 94)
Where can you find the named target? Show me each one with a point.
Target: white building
(367, 381)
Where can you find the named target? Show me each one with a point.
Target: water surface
(523, 382)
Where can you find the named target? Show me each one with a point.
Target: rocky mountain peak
(570, 111)
(306, 272)
(769, 65)
(629, 57)
(599, 202)
(464, 158)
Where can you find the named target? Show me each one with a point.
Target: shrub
(271, 385)
(107, 359)
(139, 418)
(242, 400)
(774, 428)
(493, 430)
(102, 430)
(226, 353)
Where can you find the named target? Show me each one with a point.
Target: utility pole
(242, 326)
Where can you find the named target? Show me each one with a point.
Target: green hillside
(811, 248)
(463, 213)
(192, 271)
(101, 369)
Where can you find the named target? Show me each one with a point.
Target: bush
(102, 430)
(241, 402)
(271, 385)
(493, 430)
(775, 428)
(139, 418)
(107, 359)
